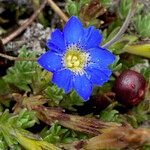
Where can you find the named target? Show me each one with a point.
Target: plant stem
(124, 26)
(58, 10)
(17, 58)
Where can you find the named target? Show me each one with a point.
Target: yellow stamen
(75, 60)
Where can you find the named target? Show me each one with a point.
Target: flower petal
(73, 31)
(82, 86)
(91, 38)
(97, 76)
(63, 79)
(101, 57)
(50, 61)
(56, 42)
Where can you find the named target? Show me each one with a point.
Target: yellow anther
(74, 58)
(69, 64)
(69, 58)
(77, 63)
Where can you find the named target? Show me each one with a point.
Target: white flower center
(75, 59)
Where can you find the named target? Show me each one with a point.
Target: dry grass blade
(87, 125)
(119, 137)
(58, 10)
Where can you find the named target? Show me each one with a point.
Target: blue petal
(56, 42)
(73, 31)
(82, 86)
(97, 76)
(91, 38)
(101, 57)
(50, 61)
(63, 79)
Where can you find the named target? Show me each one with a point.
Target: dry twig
(87, 125)
(24, 25)
(58, 10)
(17, 58)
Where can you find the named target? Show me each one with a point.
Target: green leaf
(109, 115)
(72, 8)
(54, 94)
(5, 88)
(54, 134)
(70, 100)
(26, 119)
(132, 121)
(147, 145)
(59, 134)
(57, 97)
(146, 73)
(124, 7)
(142, 25)
(116, 66)
(105, 3)
(20, 75)
(6, 123)
(9, 123)
(141, 112)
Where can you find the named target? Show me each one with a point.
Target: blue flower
(76, 59)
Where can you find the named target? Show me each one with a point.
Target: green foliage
(70, 100)
(124, 7)
(129, 61)
(147, 146)
(6, 123)
(28, 77)
(26, 119)
(58, 134)
(74, 7)
(57, 97)
(87, 11)
(5, 88)
(140, 21)
(142, 25)
(20, 75)
(146, 74)
(116, 66)
(139, 114)
(109, 115)
(103, 89)
(117, 47)
(105, 3)
(9, 123)
(55, 134)
(132, 121)
(108, 36)
(54, 94)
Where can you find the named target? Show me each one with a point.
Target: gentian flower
(76, 59)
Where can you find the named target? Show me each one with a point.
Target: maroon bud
(130, 87)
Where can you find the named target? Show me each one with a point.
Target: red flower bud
(130, 87)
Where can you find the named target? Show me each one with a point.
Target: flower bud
(130, 87)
